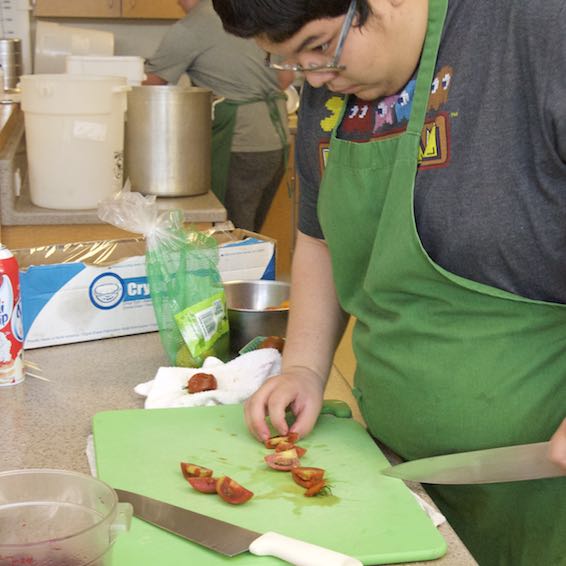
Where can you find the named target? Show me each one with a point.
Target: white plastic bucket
(74, 128)
(130, 67)
(53, 42)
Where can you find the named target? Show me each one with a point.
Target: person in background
(431, 154)
(249, 138)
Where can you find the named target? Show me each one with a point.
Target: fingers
(558, 446)
(273, 399)
(254, 415)
(277, 408)
(306, 416)
(267, 401)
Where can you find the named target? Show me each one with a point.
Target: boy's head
(278, 20)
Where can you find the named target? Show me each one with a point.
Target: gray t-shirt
(230, 66)
(490, 194)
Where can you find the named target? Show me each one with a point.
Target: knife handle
(298, 552)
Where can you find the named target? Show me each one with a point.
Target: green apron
(444, 364)
(223, 125)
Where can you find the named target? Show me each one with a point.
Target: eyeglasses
(328, 67)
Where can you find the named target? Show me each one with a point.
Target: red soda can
(11, 323)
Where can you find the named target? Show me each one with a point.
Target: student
(431, 156)
(249, 137)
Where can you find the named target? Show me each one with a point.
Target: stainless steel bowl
(253, 310)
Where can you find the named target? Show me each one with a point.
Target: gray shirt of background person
(230, 66)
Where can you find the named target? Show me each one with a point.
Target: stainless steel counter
(46, 423)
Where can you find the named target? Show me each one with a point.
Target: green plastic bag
(184, 281)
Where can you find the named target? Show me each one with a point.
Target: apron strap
(270, 99)
(426, 68)
(223, 132)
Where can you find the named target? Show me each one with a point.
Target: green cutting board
(369, 516)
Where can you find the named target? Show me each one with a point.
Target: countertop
(46, 423)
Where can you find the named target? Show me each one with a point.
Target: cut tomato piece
(274, 441)
(283, 446)
(307, 476)
(290, 454)
(231, 491)
(292, 437)
(282, 463)
(300, 451)
(316, 489)
(206, 484)
(193, 471)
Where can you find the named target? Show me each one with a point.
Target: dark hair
(278, 20)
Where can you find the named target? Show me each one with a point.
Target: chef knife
(494, 465)
(230, 539)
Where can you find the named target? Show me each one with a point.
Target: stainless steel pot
(11, 61)
(168, 140)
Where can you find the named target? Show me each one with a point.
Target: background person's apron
(223, 126)
(444, 364)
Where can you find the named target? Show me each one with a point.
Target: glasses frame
(333, 65)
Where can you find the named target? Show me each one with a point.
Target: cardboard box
(91, 290)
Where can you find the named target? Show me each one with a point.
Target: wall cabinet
(147, 9)
(152, 9)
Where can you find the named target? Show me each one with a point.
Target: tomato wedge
(316, 488)
(193, 471)
(307, 476)
(283, 446)
(205, 484)
(231, 491)
(272, 442)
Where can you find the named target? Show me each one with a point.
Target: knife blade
(494, 465)
(227, 538)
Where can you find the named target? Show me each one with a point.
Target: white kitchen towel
(237, 380)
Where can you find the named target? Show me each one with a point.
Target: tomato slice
(206, 484)
(315, 489)
(307, 476)
(193, 471)
(231, 491)
(282, 463)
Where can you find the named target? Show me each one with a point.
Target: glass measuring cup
(58, 518)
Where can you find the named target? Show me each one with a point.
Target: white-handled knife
(494, 465)
(230, 539)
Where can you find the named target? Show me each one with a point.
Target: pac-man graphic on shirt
(334, 106)
(440, 88)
